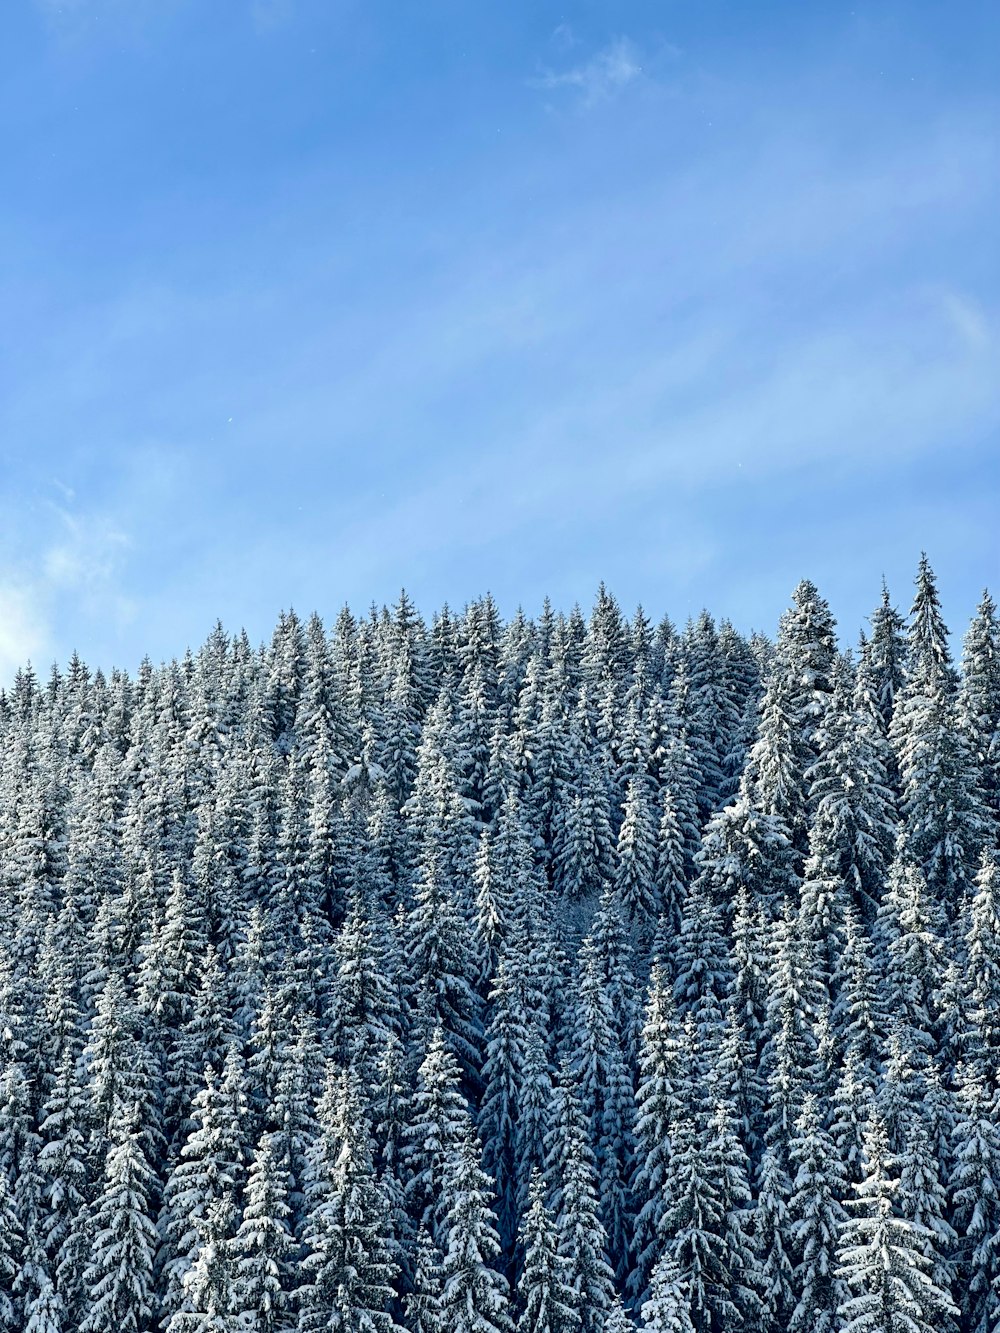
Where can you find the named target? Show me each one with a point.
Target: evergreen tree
(506, 1053)
(546, 1299)
(365, 1002)
(119, 1275)
(11, 1241)
(118, 1067)
(883, 659)
(922, 1200)
(573, 1184)
(659, 1107)
(435, 1131)
(263, 1246)
(439, 958)
(208, 1285)
(928, 654)
(289, 1118)
(702, 963)
(702, 700)
(749, 1005)
(44, 1311)
(287, 935)
(203, 1182)
(882, 1260)
(817, 1214)
(582, 860)
(634, 878)
(423, 1303)
(975, 1194)
(854, 810)
(618, 1320)
(807, 654)
(852, 1099)
(670, 867)
(979, 701)
(348, 1265)
(668, 1308)
(606, 1095)
(939, 779)
(706, 1222)
(772, 1237)
(474, 1296)
(855, 1007)
(982, 943)
(535, 1096)
(63, 1166)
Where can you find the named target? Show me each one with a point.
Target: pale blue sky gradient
(305, 300)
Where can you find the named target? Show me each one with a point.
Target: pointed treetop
(930, 656)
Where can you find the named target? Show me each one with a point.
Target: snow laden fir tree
(558, 975)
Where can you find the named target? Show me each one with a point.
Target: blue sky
(305, 300)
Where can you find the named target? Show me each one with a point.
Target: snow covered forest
(566, 975)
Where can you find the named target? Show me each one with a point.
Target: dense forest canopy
(567, 975)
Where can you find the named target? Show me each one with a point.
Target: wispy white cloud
(563, 37)
(603, 76)
(835, 400)
(65, 561)
(25, 635)
(86, 555)
(967, 317)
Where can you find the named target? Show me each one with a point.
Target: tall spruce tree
(263, 1245)
(573, 1183)
(975, 1195)
(940, 779)
(348, 1269)
(668, 1308)
(547, 1301)
(882, 1258)
(979, 699)
(120, 1272)
(436, 1129)
(659, 1107)
(474, 1296)
(817, 1218)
